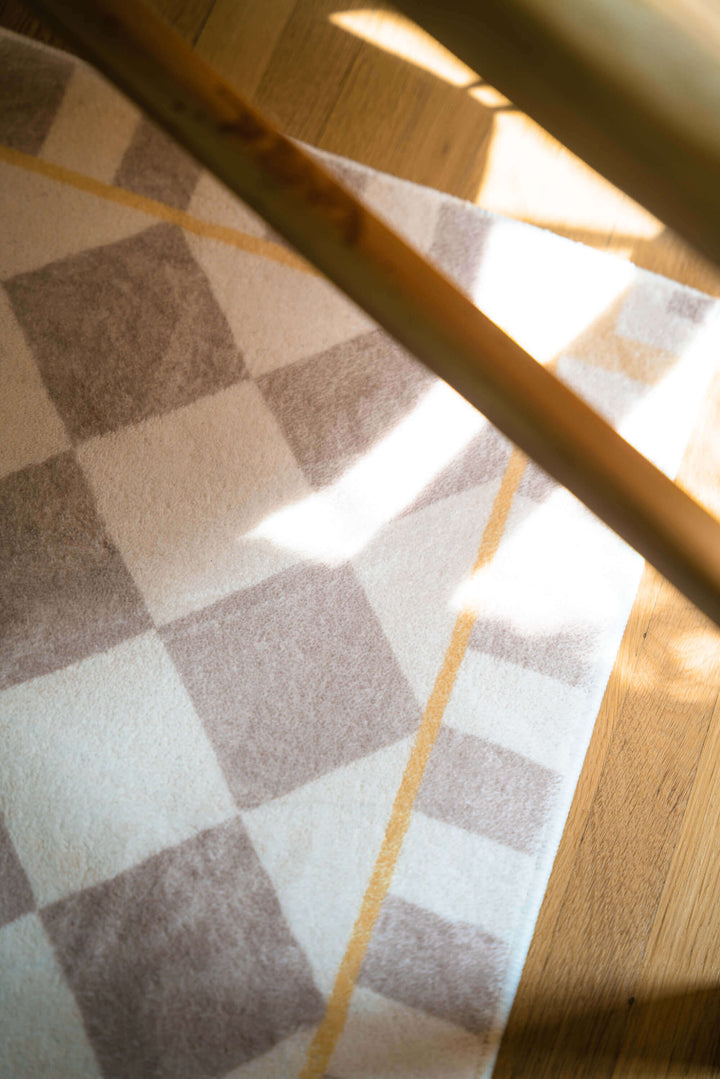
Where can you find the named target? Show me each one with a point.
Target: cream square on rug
(299, 657)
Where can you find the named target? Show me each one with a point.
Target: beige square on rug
(299, 657)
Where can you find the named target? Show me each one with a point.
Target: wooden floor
(623, 976)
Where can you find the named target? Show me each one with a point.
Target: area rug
(299, 657)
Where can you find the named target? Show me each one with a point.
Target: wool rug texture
(299, 657)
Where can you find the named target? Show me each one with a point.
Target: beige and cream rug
(299, 659)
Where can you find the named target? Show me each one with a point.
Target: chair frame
(401, 290)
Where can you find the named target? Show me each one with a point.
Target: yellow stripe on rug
(253, 245)
(331, 1027)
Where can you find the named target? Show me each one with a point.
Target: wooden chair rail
(404, 293)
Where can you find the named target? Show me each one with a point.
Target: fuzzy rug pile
(299, 659)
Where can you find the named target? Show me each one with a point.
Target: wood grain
(670, 1028)
(387, 104)
(240, 49)
(588, 967)
(298, 96)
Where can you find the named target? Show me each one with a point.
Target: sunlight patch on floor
(530, 175)
(488, 96)
(399, 36)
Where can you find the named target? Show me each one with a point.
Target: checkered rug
(299, 658)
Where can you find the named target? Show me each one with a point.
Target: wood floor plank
(307, 69)
(674, 1036)
(393, 114)
(574, 1022)
(239, 37)
(543, 943)
(675, 1029)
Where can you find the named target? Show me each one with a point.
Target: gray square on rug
(488, 789)
(335, 406)
(292, 679)
(155, 166)
(125, 331)
(567, 655)
(16, 896)
(338, 405)
(452, 970)
(65, 592)
(32, 85)
(184, 966)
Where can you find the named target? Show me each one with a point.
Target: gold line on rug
(253, 245)
(331, 1027)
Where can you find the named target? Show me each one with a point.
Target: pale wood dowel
(631, 86)
(406, 295)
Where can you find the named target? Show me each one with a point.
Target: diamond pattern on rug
(298, 507)
(52, 221)
(696, 309)
(212, 201)
(384, 1038)
(337, 405)
(449, 969)
(144, 306)
(287, 1058)
(248, 288)
(81, 137)
(318, 845)
(410, 590)
(485, 458)
(16, 896)
(184, 967)
(64, 590)
(487, 789)
(116, 732)
(183, 493)
(32, 84)
(154, 165)
(536, 485)
(292, 679)
(654, 315)
(31, 428)
(41, 1029)
(518, 708)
